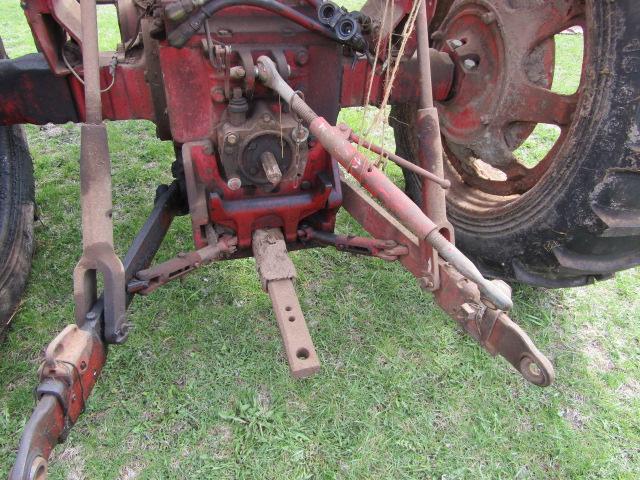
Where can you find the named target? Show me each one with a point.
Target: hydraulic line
(187, 29)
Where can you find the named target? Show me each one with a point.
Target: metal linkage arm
(457, 296)
(277, 273)
(74, 360)
(388, 250)
(98, 254)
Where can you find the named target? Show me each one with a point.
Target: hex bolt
(456, 43)
(470, 64)
(232, 139)
(237, 73)
(266, 118)
(234, 183)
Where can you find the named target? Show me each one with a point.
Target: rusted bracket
(276, 272)
(457, 295)
(388, 250)
(146, 281)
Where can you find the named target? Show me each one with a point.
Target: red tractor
(249, 92)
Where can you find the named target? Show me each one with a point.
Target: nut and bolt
(217, 94)
(302, 57)
(266, 118)
(467, 312)
(234, 183)
(470, 64)
(232, 139)
(456, 43)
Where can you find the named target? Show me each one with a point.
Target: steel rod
(444, 183)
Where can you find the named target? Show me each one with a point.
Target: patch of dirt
(264, 397)
(73, 459)
(629, 391)
(129, 472)
(598, 356)
(573, 415)
(51, 130)
(222, 433)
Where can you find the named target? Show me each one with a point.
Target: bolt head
(266, 118)
(217, 95)
(234, 183)
(455, 43)
(470, 64)
(232, 139)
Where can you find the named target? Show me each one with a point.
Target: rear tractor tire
(16, 218)
(574, 217)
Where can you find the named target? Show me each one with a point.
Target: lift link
(98, 254)
(457, 295)
(74, 359)
(148, 280)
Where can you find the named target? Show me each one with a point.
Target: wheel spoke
(536, 104)
(548, 18)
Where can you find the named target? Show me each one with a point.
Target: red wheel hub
(504, 54)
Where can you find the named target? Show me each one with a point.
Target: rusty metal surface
(388, 250)
(73, 362)
(98, 254)
(277, 273)
(31, 93)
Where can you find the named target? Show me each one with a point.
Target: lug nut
(232, 139)
(469, 64)
(234, 183)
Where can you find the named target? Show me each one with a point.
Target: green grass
(202, 390)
